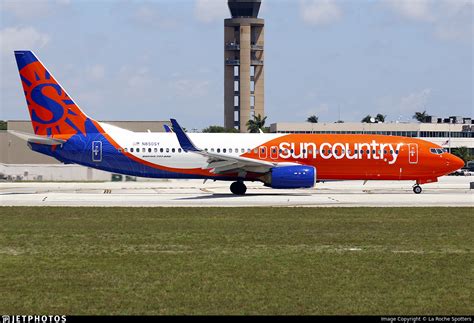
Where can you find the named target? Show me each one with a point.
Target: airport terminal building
(458, 132)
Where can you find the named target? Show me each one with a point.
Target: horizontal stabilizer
(36, 139)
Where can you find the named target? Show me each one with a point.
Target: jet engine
(291, 177)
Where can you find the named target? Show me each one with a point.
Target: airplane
(281, 161)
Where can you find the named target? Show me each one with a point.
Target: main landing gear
(238, 188)
(417, 189)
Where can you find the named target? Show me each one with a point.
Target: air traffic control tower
(243, 59)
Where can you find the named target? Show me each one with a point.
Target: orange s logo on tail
(52, 111)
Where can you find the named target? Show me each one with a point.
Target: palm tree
(256, 124)
(367, 119)
(312, 119)
(421, 116)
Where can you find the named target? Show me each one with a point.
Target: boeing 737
(284, 161)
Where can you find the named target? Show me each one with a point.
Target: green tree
(380, 118)
(218, 129)
(256, 124)
(462, 152)
(312, 119)
(367, 119)
(3, 125)
(421, 116)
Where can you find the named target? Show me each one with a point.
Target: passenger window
(156, 150)
(223, 150)
(131, 150)
(205, 149)
(161, 150)
(230, 150)
(212, 150)
(396, 151)
(125, 149)
(149, 150)
(167, 150)
(179, 150)
(218, 150)
(173, 150)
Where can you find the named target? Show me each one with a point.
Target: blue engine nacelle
(292, 177)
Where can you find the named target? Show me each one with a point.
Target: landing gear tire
(417, 189)
(238, 188)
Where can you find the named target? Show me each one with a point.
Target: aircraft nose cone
(455, 162)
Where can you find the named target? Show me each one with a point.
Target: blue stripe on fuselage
(78, 150)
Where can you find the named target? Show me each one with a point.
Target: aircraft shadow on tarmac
(230, 195)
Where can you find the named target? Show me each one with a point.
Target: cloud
(146, 15)
(190, 88)
(96, 72)
(412, 9)
(415, 101)
(403, 107)
(25, 10)
(208, 11)
(15, 38)
(320, 12)
(451, 19)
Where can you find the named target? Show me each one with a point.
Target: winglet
(184, 141)
(167, 128)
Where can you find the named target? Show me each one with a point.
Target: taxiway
(449, 191)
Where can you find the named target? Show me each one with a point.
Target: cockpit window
(437, 151)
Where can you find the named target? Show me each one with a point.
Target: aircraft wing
(36, 139)
(219, 163)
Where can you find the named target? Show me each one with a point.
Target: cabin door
(97, 151)
(413, 153)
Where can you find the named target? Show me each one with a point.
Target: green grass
(236, 260)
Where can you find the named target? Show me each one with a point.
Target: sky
(161, 59)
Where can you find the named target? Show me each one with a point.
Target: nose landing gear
(238, 188)
(417, 189)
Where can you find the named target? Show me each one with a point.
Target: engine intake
(291, 177)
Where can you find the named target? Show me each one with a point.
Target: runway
(449, 191)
